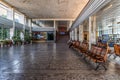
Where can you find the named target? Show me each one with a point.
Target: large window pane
(19, 18)
(3, 11)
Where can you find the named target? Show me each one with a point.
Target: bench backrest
(117, 49)
(104, 53)
(99, 50)
(77, 43)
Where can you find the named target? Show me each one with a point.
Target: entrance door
(50, 36)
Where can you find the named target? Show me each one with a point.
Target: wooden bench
(100, 44)
(94, 50)
(116, 50)
(77, 43)
(101, 59)
(74, 44)
(83, 47)
(97, 54)
(71, 43)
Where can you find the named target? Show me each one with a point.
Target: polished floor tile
(51, 61)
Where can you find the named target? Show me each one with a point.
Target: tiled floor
(51, 61)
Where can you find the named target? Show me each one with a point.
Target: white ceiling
(49, 9)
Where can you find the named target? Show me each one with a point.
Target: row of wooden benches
(97, 54)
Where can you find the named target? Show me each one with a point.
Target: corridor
(50, 61)
(34, 36)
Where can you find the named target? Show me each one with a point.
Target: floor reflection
(51, 61)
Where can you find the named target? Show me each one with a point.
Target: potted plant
(17, 40)
(27, 39)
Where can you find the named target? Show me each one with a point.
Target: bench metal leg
(97, 66)
(115, 57)
(109, 55)
(103, 64)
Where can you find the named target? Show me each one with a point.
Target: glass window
(4, 33)
(26, 32)
(17, 33)
(19, 18)
(41, 36)
(3, 11)
(0, 33)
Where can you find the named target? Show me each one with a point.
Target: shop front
(42, 36)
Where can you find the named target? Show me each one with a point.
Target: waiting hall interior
(59, 39)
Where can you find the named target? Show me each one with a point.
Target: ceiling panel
(49, 9)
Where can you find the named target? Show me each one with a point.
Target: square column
(12, 30)
(73, 35)
(30, 25)
(94, 30)
(24, 25)
(22, 34)
(30, 29)
(90, 37)
(81, 33)
(70, 24)
(75, 32)
(54, 30)
(70, 35)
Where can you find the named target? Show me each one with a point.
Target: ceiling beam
(54, 19)
(91, 8)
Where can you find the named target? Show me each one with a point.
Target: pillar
(113, 28)
(70, 24)
(24, 25)
(30, 25)
(12, 30)
(81, 33)
(30, 29)
(90, 37)
(73, 35)
(54, 31)
(70, 33)
(94, 29)
(75, 32)
(22, 35)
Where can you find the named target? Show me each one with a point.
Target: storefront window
(50, 36)
(43, 36)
